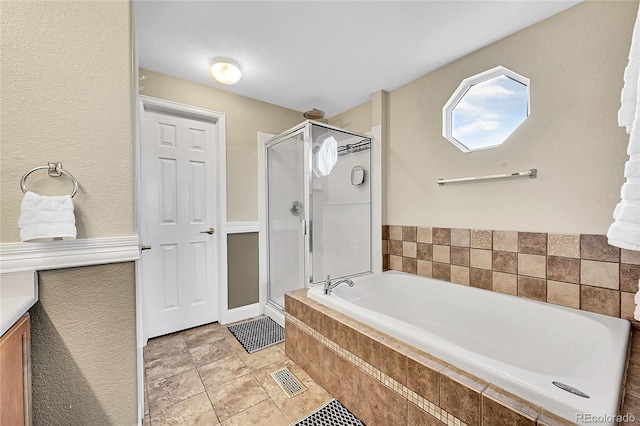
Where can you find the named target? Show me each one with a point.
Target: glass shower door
(286, 215)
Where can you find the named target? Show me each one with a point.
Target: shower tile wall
(578, 271)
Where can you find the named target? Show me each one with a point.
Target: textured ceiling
(327, 54)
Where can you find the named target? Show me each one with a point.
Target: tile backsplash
(579, 271)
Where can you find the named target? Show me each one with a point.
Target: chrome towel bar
(531, 173)
(54, 170)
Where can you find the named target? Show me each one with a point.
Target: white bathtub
(518, 344)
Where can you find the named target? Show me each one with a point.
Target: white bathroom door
(180, 269)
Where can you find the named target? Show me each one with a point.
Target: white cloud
(475, 127)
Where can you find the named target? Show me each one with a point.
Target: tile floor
(203, 376)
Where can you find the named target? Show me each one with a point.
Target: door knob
(145, 247)
(208, 231)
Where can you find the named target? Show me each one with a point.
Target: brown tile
(385, 232)
(377, 404)
(461, 237)
(292, 306)
(532, 243)
(307, 355)
(292, 340)
(504, 261)
(564, 245)
(480, 259)
(460, 256)
(629, 277)
(600, 274)
(425, 235)
(630, 256)
(418, 417)
(481, 239)
(532, 265)
(236, 396)
(480, 278)
(460, 274)
(196, 410)
(258, 360)
(460, 394)
(340, 379)
(395, 232)
(425, 251)
(423, 375)
(502, 408)
(505, 241)
(385, 262)
(627, 305)
(425, 268)
(311, 316)
(442, 236)
(369, 348)
(532, 288)
(222, 371)
(409, 233)
(206, 354)
(341, 333)
(409, 265)
(409, 249)
(596, 247)
(600, 300)
(631, 405)
(169, 365)
(505, 283)
(263, 413)
(395, 247)
(442, 271)
(549, 419)
(395, 263)
(441, 254)
(203, 335)
(169, 391)
(563, 269)
(162, 346)
(395, 360)
(385, 247)
(565, 294)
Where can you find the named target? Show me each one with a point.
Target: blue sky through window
(489, 112)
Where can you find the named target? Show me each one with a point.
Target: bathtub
(518, 344)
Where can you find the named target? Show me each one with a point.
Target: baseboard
(241, 313)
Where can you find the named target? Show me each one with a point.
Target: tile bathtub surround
(580, 271)
(384, 381)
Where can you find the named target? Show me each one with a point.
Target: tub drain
(570, 389)
(288, 382)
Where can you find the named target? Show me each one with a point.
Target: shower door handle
(208, 231)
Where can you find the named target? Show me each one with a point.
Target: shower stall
(318, 208)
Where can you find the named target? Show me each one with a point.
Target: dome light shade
(226, 71)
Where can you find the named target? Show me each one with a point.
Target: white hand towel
(46, 217)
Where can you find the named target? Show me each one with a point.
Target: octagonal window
(486, 109)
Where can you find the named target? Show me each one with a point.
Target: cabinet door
(15, 374)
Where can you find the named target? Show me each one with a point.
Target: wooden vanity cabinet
(15, 374)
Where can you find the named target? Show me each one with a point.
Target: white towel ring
(55, 170)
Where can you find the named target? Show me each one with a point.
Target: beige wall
(84, 347)
(243, 261)
(357, 119)
(66, 96)
(575, 61)
(245, 117)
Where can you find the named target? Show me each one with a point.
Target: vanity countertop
(18, 293)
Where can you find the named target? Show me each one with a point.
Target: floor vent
(288, 382)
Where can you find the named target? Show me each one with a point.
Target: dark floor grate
(332, 414)
(258, 334)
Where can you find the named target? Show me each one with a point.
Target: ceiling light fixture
(226, 71)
